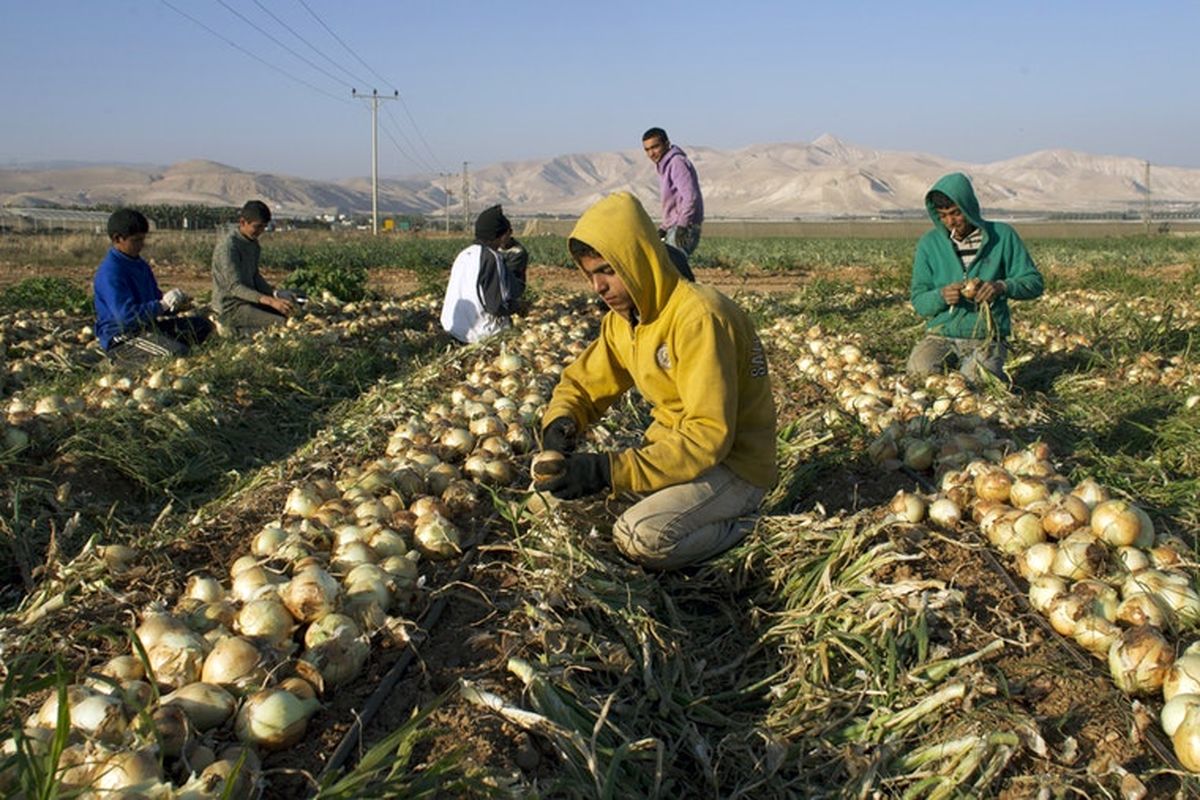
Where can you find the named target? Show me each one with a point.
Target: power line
(310, 45)
(382, 79)
(417, 159)
(305, 59)
(257, 58)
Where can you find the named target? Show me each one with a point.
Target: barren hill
(826, 177)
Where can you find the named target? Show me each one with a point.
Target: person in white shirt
(486, 282)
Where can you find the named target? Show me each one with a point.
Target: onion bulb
(1044, 589)
(437, 537)
(908, 506)
(235, 664)
(945, 513)
(310, 594)
(1139, 661)
(1187, 740)
(1118, 523)
(1183, 677)
(126, 770)
(206, 705)
(274, 719)
(336, 648)
(1175, 709)
(1036, 560)
(267, 619)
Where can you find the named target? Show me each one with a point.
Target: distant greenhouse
(37, 220)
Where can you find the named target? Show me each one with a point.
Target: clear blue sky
(135, 81)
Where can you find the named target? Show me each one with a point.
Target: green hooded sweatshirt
(1002, 257)
(693, 355)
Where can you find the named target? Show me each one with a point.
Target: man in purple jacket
(682, 205)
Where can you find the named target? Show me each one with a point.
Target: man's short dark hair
(655, 133)
(256, 211)
(580, 250)
(126, 222)
(940, 200)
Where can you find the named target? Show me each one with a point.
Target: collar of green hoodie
(620, 230)
(958, 188)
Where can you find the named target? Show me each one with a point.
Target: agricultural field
(308, 564)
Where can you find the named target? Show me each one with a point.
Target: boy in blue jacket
(131, 313)
(964, 271)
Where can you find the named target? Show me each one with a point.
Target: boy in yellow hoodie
(708, 457)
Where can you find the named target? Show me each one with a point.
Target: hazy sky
(137, 81)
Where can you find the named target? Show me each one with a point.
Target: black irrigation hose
(353, 738)
(1152, 735)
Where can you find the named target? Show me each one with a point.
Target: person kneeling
(133, 318)
(709, 455)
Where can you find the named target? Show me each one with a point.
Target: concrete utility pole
(466, 198)
(1146, 212)
(375, 98)
(446, 199)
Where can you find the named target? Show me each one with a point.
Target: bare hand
(989, 291)
(952, 293)
(284, 307)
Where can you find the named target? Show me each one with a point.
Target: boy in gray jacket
(242, 298)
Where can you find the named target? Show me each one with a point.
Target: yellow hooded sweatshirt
(693, 354)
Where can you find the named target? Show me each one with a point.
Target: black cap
(491, 224)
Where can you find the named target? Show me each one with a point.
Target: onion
(303, 501)
(126, 770)
(234, 663)
(1079, 558)
(205, 589)
(171, 725)
(310, 594)
(1133, 559)
(908, 506)
(206, 705)
(336, 648)
(100, 716)
(1090, 492)
(123, 668)
(918, 455)
(1139, 660)
(993, 485)
(268, 540)
(461, 497)
(1036, 560)
(386, 542)
(1027, 490)
(267, 619)
(1018, 534)
(274, 719)
(253, 583)
(437, 537)
(1175, 709)
(457, 442)
(1183, 676)
(1187, 740)
(1117, 522)
(1142, 609)
(1096, 634)
(945, 513)
(1067, 515)
(156, 624)
(1065, 611)
(175, 666)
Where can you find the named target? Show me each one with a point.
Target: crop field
(308, 564)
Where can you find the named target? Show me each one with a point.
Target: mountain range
(824, 178)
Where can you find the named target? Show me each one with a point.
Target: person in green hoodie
(964, 272)
(708, 456)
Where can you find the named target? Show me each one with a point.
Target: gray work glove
(174, 300)
(286, 294)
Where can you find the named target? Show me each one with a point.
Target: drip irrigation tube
(352, 740)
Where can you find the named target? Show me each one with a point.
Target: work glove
(174, 300)
(560, 435)
(287, 295)
(586, 473)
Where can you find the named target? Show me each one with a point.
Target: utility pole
(375, 98)
(446, 199)
(466, 199)
(1146, 212)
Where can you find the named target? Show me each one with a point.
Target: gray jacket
(236, 279)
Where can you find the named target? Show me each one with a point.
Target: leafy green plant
(46, 294)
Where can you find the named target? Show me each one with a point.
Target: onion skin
(1139, 661)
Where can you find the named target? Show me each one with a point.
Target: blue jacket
(1002, 256)
(126, 296)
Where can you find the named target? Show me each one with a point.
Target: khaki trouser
(689, 522)
(250, 317)
(970, 356)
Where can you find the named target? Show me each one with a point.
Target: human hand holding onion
(547, 466)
